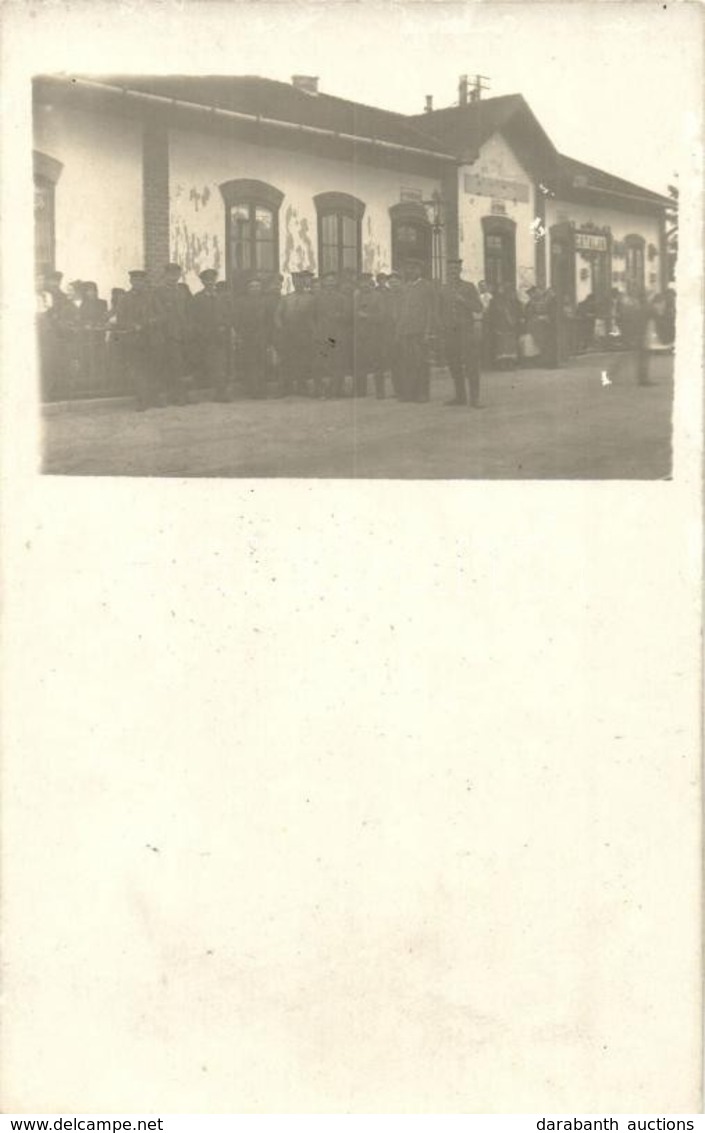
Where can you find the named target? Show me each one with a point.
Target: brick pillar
(155, 197)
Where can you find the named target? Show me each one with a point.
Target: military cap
(55, 276)
(137, 273)
(173, 269)
(208, 275)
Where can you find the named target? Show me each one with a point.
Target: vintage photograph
(241, 275)
(352, 560)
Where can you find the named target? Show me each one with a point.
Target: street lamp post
(434, 212)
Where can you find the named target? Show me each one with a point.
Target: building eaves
(270, 102)
(578, 175)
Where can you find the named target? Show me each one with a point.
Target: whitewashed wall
(199, 163)
(98, 197)
(622, 223)
(499, 162)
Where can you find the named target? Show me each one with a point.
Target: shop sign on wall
(493, 187)
(589, 242)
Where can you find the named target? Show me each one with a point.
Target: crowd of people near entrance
(343, 334)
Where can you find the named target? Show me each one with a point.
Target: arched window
(634, 263)
(339, 232)
(251, 227)
(411, 235)
(46, 174)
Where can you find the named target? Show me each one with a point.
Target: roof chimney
(308, 83)
(463, 90)
(429, 103)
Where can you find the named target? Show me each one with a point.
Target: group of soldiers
(326, 338)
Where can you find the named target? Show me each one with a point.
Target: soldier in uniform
(254, 337)
(56, 320)
(272, 294)
(72, 349)
(114, 344)
(93, 321)
(413, 332)
(635, 321)
(138, 321)
(225, 291)
(211, 319)
(391, 318)
(367, 336)
(329, 333)
(347, 284)
(173, 299)
(386, 332)
(294, 325)
(461, 320)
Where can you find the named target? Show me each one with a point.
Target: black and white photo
(286, 282)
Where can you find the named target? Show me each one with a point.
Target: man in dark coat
(461, 314)
(56, 322)
(330, 322)
(634, 323)
(385, 332)
(367, 336)
(414, 328)
(391, 309)
(211, 319)
(93, 323)
(138, 319)
(485, 298)
(294, 327)
(173, 299)
(254, 333)
(347, 284)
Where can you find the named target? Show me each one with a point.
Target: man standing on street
(293, 323)
(329, 331)
(254, 334)
(367, 335)
(211, 320)
(138, 321)
(57, 316)
(414, 326)
(634, 325)
(173, 299)
(461, 325)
